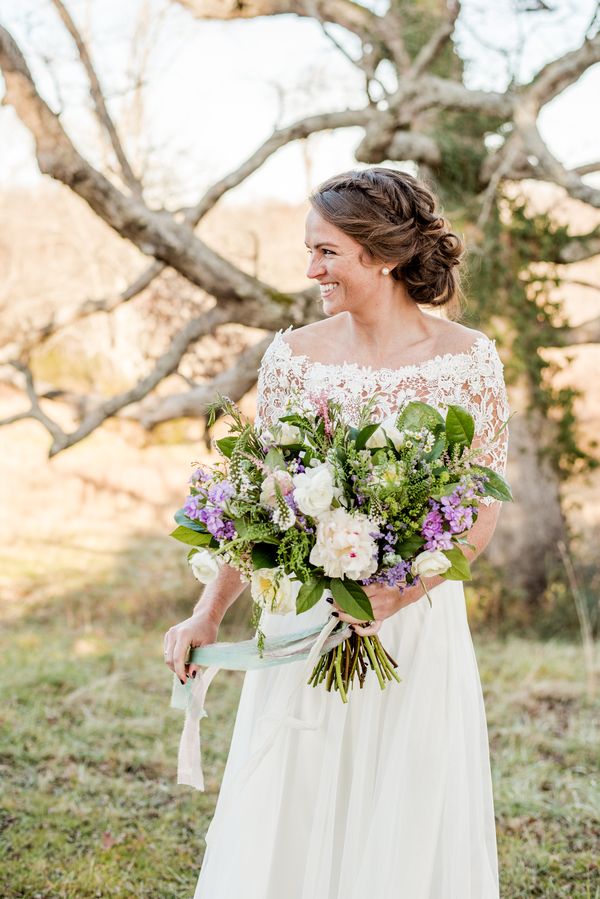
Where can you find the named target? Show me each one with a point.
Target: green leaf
(227, 445)
(352, 599)
(364, 435)
(410, 546)
(342, 455)
(241, 527)
(416, 415)
(496, 486)
(460, 426)
(191, 536)
(445, 489)
(438, 447)
(181, 518)
(264, 556)
(460, 570)
(310, 593)
(274, 458)
(294, 419)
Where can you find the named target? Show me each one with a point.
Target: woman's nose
(315, 268)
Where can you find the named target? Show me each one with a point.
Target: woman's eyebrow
(325, 243)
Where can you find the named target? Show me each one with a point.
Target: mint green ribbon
(306, 645)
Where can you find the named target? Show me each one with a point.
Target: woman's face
(346, 283)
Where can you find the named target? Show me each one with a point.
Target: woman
(390, 793)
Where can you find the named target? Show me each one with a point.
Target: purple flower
(433, 524)
(219, 493)
(212, 518)
(391, 577)
(452, 500)
(198, 475)
(459, 518)
(441, 541)
(191, 507)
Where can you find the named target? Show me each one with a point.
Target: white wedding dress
(389, 795)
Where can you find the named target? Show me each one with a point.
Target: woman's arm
(202, 627)
(219, 595)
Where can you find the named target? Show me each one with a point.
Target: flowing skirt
(390, 796)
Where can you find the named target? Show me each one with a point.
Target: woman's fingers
(372, 629)
(364, 628)
(174, 654)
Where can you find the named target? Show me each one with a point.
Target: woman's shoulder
(307, 339)
(454, 337)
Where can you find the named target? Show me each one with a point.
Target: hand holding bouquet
(314, 504)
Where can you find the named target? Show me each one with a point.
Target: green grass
(88, 749)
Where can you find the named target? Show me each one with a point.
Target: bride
(388, 795)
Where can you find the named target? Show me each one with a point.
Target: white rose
(205, 566)
(288, 434)
(344, 546)
(430, 562)
(278, 598)
(314, 489)
(387, 428)
(267, 492)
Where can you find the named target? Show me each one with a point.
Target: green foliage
(293, 551)
(511, 301)
(460, 570)
(191, 536)
(352, 599)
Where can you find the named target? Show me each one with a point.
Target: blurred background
(155, 162)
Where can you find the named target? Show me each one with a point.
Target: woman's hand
(385, 601)
(199, 629)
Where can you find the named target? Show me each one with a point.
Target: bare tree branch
(165, 365)
(556, 76)
(549, 165)
(234, 382)
(587, 168)
(69, 316)
(352, 16)
(349, 118)
(429, 51)
(154, 233)
(97, 96)
(35, 410)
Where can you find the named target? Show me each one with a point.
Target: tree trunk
(528, 530)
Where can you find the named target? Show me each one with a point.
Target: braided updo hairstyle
(392, 215)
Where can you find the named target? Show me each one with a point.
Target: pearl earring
(385, 271)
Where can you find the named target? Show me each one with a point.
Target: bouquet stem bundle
(339, 666)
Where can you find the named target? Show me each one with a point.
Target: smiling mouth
(327, 289)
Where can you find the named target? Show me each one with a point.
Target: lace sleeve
(277, 378)
(489, 402)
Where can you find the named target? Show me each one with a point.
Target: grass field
(89, 749)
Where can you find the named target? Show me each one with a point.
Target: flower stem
(374, 663)
(426, 591)
(338, 672)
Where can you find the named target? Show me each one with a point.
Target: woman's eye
(324, 250)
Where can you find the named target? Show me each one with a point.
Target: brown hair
(392, 215)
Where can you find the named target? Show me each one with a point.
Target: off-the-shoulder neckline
(413, 366)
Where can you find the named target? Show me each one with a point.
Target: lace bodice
(473, 379)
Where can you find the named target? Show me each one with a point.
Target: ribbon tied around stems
(244, 656)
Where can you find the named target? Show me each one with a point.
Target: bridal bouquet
(314, 504)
